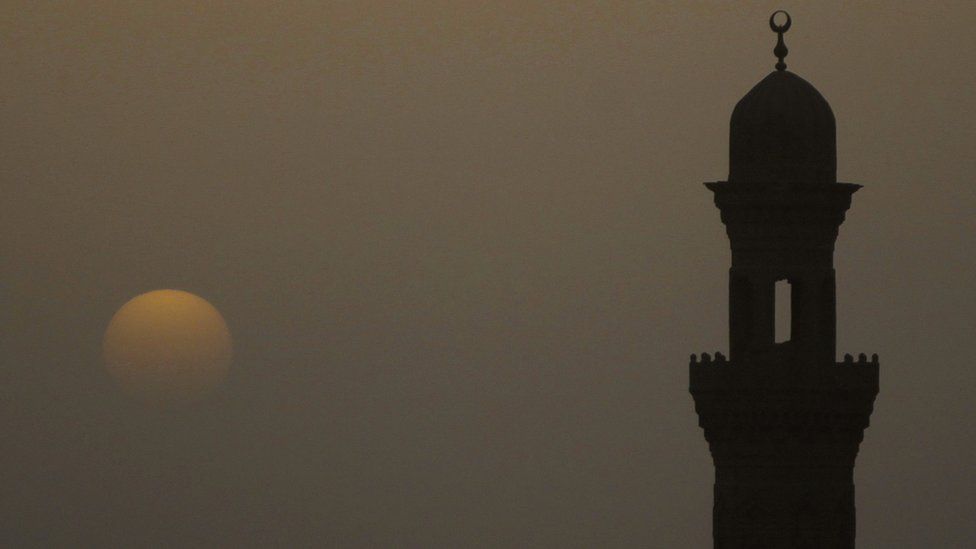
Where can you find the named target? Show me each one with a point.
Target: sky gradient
(464, 252)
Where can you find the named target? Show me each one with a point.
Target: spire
(780, 51)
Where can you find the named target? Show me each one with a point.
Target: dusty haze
(465, 252)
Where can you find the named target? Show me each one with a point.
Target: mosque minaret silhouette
(784, 420)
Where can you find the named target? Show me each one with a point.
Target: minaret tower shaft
(783, 420)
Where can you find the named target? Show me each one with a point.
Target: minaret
(783, 420)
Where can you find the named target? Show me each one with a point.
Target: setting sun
(167, 346)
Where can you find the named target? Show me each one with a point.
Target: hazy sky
(465, 252)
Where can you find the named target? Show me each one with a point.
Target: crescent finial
(780, 51)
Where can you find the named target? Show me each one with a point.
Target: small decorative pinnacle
(780, 51)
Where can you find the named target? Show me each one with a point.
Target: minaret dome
(782, 130)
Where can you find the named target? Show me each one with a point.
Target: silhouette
(783, 420)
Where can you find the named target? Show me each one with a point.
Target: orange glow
(167, 346)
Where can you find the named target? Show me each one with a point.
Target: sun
(167, 346)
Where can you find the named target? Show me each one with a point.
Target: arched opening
(783, 323)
